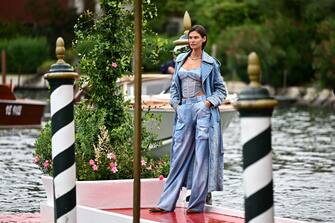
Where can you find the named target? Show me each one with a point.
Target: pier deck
(180, 216)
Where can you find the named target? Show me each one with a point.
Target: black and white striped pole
(255, 107)
(61, 77)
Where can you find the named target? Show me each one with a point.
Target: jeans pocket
(202, 131)
(179, 113)
(203, 110)
(179, 131)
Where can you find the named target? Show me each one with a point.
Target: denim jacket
(215, 91)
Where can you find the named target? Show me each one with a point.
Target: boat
(19, 113)
(156, 97)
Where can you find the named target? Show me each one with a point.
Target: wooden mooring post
(61, 78)
(255, 107)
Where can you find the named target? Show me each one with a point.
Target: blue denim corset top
(190, 81)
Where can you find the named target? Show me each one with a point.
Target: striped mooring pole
(255, 107)
(61, 78)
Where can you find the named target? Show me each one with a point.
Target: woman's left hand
(208, 104)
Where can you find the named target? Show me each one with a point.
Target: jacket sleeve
(174, 94)
(219, 92)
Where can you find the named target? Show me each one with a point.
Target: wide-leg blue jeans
(190, 147)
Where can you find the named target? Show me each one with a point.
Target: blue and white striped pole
(255, 106)
(61, 78)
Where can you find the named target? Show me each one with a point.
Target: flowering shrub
(102, 154)
(104, 127)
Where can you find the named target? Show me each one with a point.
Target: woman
(197, 90)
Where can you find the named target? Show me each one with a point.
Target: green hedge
(25, 54)
(13, 29)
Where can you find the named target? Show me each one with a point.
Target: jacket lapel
(181, 59)
(179, 62)
(206, 66)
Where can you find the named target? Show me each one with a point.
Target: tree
(52, 19)
(284, 33)
(324, 54)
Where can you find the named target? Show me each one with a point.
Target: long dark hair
(202, 31)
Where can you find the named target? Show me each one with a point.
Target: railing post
(3, 65)
(255, 107)
(61, 77)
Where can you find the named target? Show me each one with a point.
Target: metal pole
(255, 106)
(137, 115)
(3, 67)
(61, 78)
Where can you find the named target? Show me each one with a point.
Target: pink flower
(46, 164)
(37, 159)
(91, 162)
(111, 164)
(143, 162)
(161, 177)
(111, 156)
(114, 65)
(95, 167)
(113, 167)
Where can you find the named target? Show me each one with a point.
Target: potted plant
(103, 124)
(100, 154)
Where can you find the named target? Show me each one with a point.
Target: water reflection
(303, 144)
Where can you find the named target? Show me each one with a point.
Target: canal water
(303, 142)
